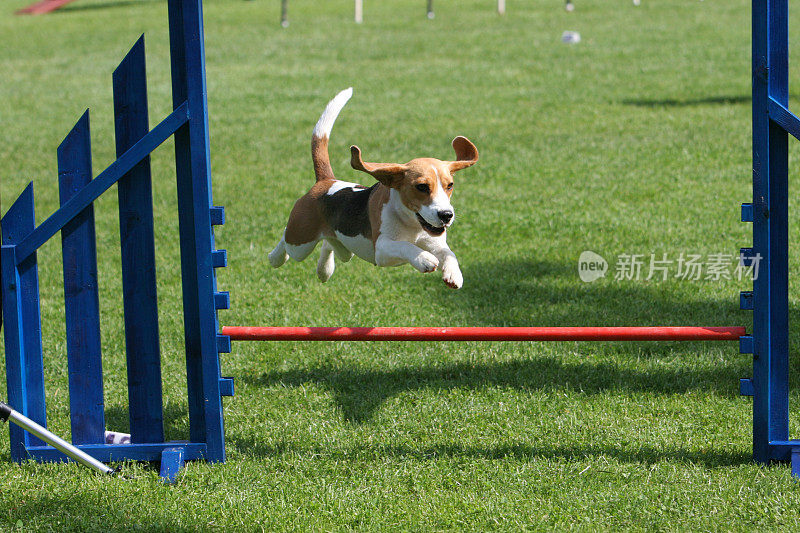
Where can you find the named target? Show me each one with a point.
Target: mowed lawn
(635, 141)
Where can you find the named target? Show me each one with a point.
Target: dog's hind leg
(342, 254)
(299, 252)
(278, 256)
(326, 263)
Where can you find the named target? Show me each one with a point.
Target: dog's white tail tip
(325, 123)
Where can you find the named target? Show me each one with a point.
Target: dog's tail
(322, 132)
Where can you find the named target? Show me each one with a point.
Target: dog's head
(425, 185)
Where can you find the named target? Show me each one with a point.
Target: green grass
(636, 141)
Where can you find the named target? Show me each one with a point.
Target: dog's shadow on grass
(644, 454)
(359, 392)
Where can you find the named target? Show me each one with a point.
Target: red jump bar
(658, 333)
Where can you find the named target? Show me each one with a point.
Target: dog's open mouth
(433, 230)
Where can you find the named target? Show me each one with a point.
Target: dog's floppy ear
(466, 154)
(389, 174)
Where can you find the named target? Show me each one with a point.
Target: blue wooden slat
(217, 216)
(172, 460)
(746, 300)
(138, 253)
(14, 348)
(222, 300)
(784, 118)
(193, 171)
(745, 387)
(226, 386)
(746, 256)
(760, 120)
(81, 300)
(746, 344)
(778, 273)
(121, 452)
(786, 442)
(103, 181)
(223, 344)
(17, 224)
(219, 258)
(747, 212)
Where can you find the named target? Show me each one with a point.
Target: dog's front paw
(425, 262)
(452, 277)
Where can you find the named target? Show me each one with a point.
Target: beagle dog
(403, 218)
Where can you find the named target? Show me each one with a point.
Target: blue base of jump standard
(188, 123)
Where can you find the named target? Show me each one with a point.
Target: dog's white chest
(359, 245)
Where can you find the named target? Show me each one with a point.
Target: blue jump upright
(188, 123)
(769, 214)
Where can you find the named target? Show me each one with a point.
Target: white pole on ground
(501, 7)
(359, 11)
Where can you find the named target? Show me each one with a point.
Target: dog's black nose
(446, 216)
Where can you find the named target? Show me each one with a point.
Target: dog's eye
(423, 187)
(450, 186)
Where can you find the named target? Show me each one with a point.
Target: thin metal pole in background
(359, 15)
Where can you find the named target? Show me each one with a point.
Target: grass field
(634, 141)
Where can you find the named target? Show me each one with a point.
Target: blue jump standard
(769, 212)
(188, 124)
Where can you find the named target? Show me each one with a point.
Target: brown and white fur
(401, 219)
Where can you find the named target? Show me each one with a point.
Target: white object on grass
(115, 437)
